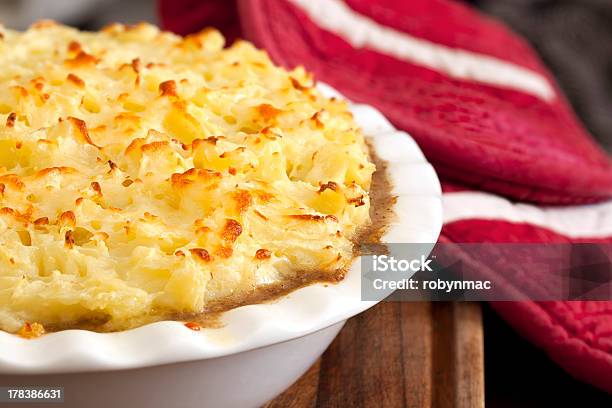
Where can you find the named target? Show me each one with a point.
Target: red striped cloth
(487, 114)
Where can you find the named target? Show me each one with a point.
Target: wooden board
(410, 354)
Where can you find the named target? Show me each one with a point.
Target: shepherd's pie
(143, 174)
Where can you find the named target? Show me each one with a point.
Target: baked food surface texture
(144, 174)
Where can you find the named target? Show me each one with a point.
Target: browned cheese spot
(263, 253)
(200, 254)
(168, 88)
(76, 80)
(10, 120)
(231, 230)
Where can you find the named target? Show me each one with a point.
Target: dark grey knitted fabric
(574, 38)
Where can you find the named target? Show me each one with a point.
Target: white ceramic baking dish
(260, 350)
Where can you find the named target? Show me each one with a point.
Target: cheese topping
(142, 173)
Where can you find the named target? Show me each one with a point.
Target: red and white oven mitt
(516, 164)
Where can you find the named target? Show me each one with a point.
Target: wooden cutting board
(410, 354)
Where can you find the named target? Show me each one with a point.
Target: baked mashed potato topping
(144, 174)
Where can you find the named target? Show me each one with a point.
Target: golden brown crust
(31, 330)
(263, 253)
(158, 174)
(81, 128)
(67, 218)
(82, 60)
(168, 88)
(231, 231)
(201, 254)
(10, 120)
(76, 80)
(243, 200)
